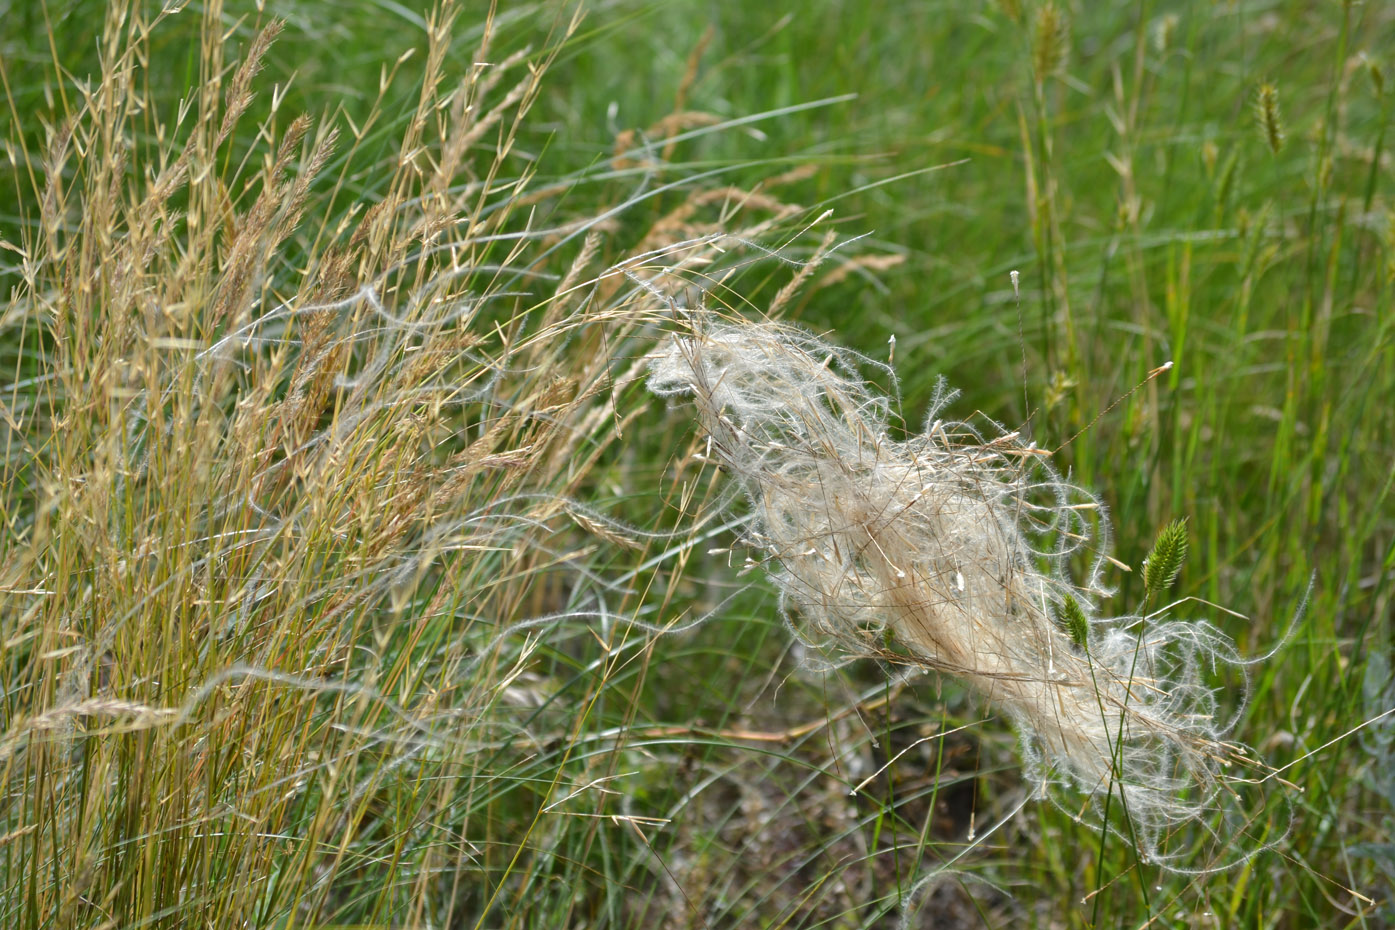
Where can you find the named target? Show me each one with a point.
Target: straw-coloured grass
(293, 493)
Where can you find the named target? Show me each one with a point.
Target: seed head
(1267, 114)
(1050, 40)
(952, 551)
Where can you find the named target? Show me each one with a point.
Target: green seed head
(1267, 115)
(1050, 40)
(1165, 561)
(1076, 624)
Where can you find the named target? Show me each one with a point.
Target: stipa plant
(273, 488)
(954, 550)
(290, 497)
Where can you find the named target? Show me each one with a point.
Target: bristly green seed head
(1075, 622)
(1165, 561)
(1050, 40)
(1267, 114)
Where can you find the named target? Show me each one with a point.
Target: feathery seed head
(953, 547)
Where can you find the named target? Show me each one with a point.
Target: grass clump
(315, 602)
(277, 478)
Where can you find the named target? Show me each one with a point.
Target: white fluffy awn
(949, 550)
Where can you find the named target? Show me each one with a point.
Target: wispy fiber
(950, 550)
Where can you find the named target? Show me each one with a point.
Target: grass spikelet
(1050, 40)
(956, 546)
(1075, 621)
(1267, 115)
(1165, 561)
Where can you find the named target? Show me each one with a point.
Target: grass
(351, 577)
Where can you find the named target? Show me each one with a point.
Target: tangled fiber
(951, 551)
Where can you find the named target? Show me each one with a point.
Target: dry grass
(291, 495)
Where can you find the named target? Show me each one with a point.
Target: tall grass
(276, 485)
(339, 531)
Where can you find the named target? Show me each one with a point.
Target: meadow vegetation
(352, 573)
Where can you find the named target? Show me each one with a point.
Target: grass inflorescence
(958, 544)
